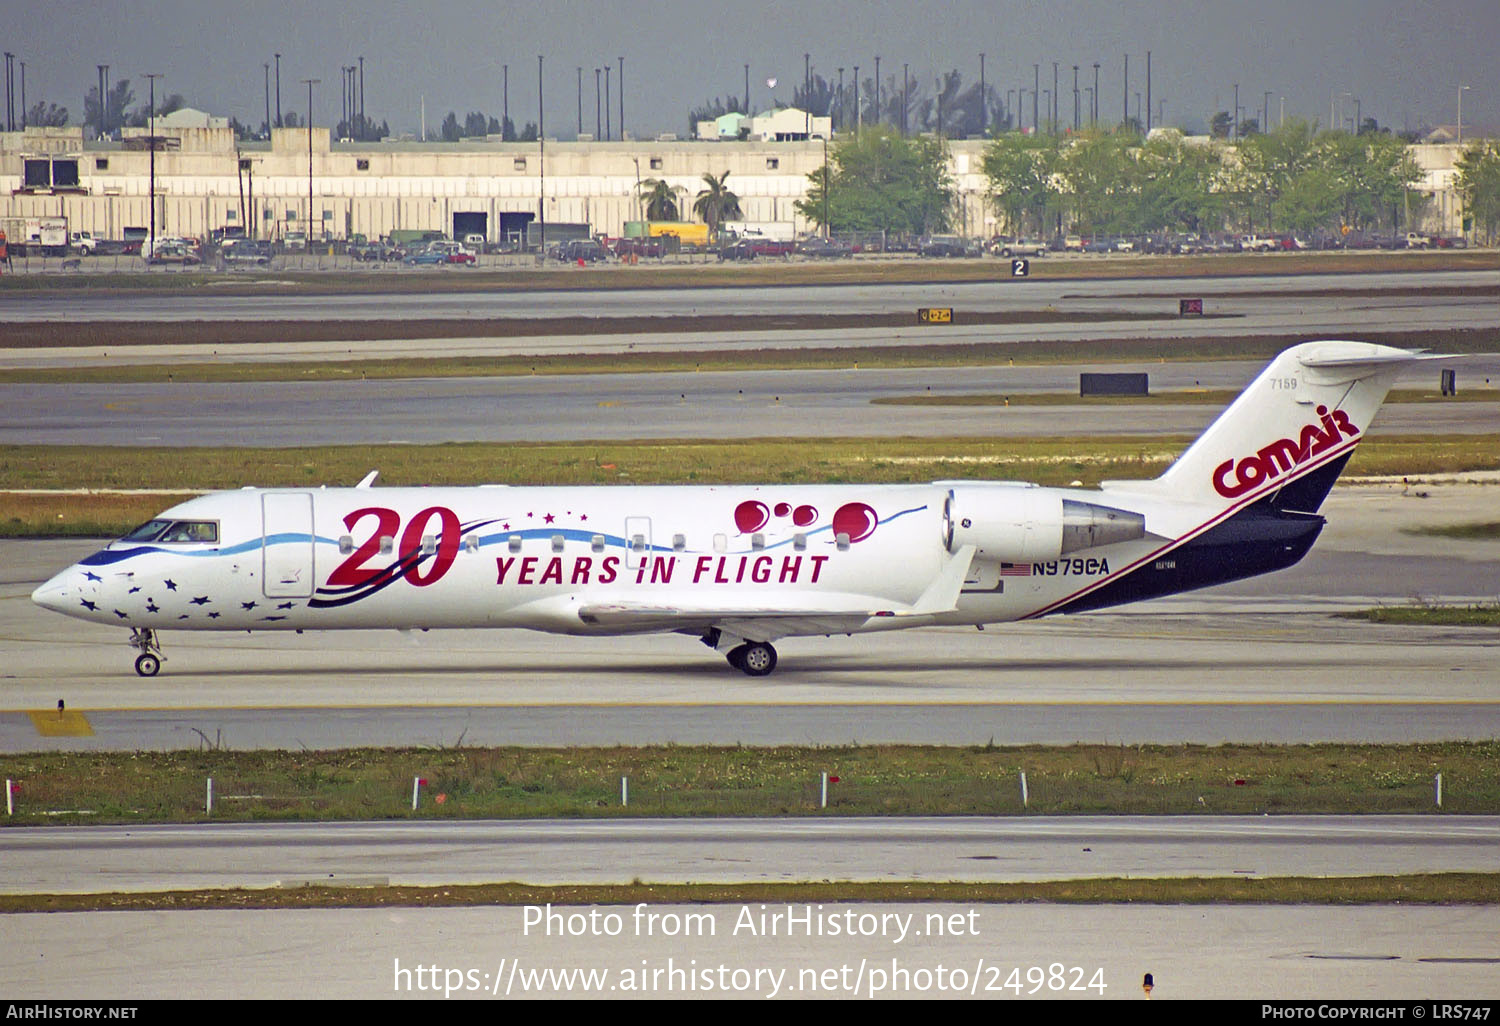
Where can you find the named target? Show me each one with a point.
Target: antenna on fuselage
(369, 479)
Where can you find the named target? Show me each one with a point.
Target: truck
(776, 231)
(36, 236)
(689, 233)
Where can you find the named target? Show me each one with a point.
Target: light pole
(151, 145)
(1077, 114)
(1461, 114)
(984, 109)
(278, 91)
(541, 151)
(879, 114)
(310, 82)
(840, 127)
(621, 86)
(1094, 105)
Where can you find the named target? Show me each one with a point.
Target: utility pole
(598, 117)
(807, 95)
(905, 97)
(361, 113)
(879, 114)
(608, 131)
(1036, 91)
(505, 101)
(621, 86)
(1125, 100)
(278, 91)
(1094, 104)
(580, 99)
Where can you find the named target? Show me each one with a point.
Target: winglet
(368, 480)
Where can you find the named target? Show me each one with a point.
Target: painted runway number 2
(353, 572)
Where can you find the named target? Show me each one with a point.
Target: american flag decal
(1015, 569)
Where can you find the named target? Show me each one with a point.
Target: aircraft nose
(56, 593)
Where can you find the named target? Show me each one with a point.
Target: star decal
(549, 518)
(213, 616)
(184, 616)
(171, 585)
(287, 605)
(89, 575)
(505, 527)
(152, 607)
(89, 605)
(121, 615)
(584, 517)
(270, 619)
(247, 605)
(201, 600)
(132, 591)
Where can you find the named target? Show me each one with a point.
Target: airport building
(302, 180)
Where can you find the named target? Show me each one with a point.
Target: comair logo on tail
(1283, 454)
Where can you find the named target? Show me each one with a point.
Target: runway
(775, 404)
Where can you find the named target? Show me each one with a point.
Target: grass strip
(713, 781)
(1489, 531)
(1415, 889)
(78, 483)
(1429, 615)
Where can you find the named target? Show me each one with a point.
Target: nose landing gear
(149, 661)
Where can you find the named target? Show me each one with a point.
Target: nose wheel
(149, 661)
(755, 658)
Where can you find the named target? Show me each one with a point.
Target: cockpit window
(148, 531)
(192, 531)
(176, 531)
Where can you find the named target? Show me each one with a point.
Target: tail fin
(1299, 421)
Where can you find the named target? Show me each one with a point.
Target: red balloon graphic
(783, 508)
(856, 520)
(751, 516)
(804, 516)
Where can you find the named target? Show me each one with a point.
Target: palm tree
(659, 199)
(716, 204)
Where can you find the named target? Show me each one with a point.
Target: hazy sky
(1404, 61)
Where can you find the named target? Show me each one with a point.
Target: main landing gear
(149, 661)
(755, 658)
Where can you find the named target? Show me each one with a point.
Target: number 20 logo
(353, 572)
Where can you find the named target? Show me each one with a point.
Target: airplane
(743, 566)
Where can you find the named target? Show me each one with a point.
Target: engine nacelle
(1013, 524)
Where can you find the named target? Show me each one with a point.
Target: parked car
(638, 247)
(1005, 246)
(173, 253)
(818, 247)
(294, 242)
(588, 250)
(942, 246)
(241, 252)
(740, 250)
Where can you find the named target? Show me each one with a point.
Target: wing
(782, 613)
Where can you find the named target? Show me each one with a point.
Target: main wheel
(757, 658)
(147, 664)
